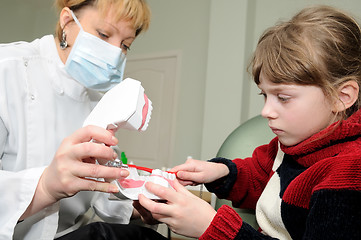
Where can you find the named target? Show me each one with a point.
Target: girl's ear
(347, 95)
(65, 17)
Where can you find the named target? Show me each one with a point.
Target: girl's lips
(276, 130)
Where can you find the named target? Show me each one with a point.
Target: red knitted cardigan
(320, 186)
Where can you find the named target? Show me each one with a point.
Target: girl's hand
(194, 172)
(144, 214)
(183, 212)
(73, 168)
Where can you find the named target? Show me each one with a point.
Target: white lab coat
(40, 105)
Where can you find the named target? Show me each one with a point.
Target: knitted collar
(326, 143)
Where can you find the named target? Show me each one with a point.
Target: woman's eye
(125, 47)
(102, 35)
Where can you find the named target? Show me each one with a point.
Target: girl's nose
(268, 110)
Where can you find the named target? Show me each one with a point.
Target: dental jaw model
(126, 106)
(123, 106)
(133, 185)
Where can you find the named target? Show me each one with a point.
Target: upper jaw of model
(124, 106)
(133, 185)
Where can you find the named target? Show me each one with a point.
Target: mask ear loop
(76, 20)
(64, 43)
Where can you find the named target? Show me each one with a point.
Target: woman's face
(118, 33)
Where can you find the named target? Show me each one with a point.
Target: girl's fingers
(156, 208)
(161, 218)
(146, 216)
(162, 192)
(186, 183)
(195, 177)
(187, 166)
(167, 193)
(181, 189)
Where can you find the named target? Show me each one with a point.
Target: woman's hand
(183, 212)
(73, 168)
(194, 172)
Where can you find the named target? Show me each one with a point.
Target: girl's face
(295, 112)
(118, 33)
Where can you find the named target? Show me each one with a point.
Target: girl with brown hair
(306, 183)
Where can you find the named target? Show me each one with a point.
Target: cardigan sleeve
(227, 224)
(247, 178)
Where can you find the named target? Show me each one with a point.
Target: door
(153, 148)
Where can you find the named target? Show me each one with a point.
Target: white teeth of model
(148, 117)
(167, 175)
(133, 185)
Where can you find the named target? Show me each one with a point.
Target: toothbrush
(118, 163)
(137, 167)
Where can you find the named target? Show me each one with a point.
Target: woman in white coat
(47, 88)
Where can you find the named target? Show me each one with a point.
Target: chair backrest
(240, 144)
(245, 138)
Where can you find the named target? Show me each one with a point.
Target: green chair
(240, 144)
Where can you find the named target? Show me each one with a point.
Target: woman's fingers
(87, 184)
(90, 149)
(92, 133)
(74, 167)
(98, 171)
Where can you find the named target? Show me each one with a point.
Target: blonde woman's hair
(319, 46)
(136, 11)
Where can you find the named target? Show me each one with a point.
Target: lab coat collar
(62, 82)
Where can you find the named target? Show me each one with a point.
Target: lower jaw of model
(133, 185)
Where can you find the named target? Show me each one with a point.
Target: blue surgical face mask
(95, 63)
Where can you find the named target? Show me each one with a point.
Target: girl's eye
(283, 98)
(263, 94)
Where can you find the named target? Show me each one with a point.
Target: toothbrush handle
(140, 168)
(145, 168)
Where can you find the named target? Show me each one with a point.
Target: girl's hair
(319, 46)
(137, 11)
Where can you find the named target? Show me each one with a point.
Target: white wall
(215, 39)
(182, 26)
(24, 20)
